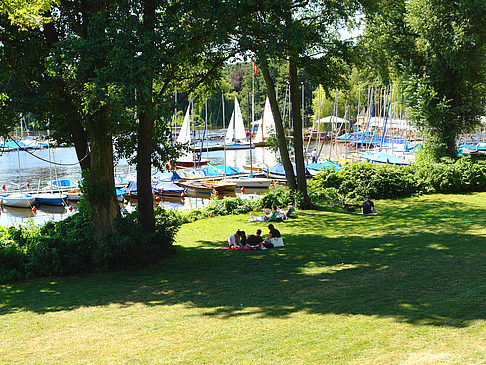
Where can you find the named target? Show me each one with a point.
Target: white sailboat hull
(253, 182)
(50, 199)
(18, 200)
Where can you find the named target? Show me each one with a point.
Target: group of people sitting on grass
(274, 214)
(256, 241)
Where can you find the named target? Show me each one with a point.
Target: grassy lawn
(405, 287)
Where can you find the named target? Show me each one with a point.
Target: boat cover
(324, 165)
(131, 188)
(11, 145)
(475, 147)
(64, 183)
(166, 186)
(383, 157)
(166, 176)
(119, 180)
(279, 170)
(218, 170)
(120, 192)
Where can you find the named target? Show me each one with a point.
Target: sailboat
(266, 125)
(19, 200)
(235, 138)
(190, 159)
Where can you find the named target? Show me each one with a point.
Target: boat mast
(303, 124)
(319, 121)
(20, 171)
(251, 155)
(334, 114)
(357, 116)
(193, 131)
(224, 138)
(252, 97)
(174, 124)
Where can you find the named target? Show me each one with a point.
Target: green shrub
(227, 206)
(278, 195)
(383, 181)
(360, 179)
(130, 248)
(11, 260)
(68, 246)
(463, 175)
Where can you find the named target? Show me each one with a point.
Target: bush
(360, 179)
(463, 175)
(277, 195)
(68, 246)
(227, 206)
(383, 181)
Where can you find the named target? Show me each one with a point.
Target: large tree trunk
(279, 128)
(144, 166)
(146, 124)
(297, 133)
(101, 185)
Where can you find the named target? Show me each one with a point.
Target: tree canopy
(26, 13)
(438, 47)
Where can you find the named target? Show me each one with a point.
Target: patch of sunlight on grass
(437, 246)
(313, 268)
(426, 357)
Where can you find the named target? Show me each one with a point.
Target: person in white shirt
(314, 156)
(235, 239)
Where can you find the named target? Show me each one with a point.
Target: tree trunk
(146, 124)
(279, 128)
(144, 166)
(101, 185)
(297, 133)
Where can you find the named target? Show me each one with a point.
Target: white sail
(185, 132)
(268, 124)
(240, 132)
(230, 132)
(258, 138)
(236, 129)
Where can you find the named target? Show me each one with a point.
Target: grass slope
(407, 286)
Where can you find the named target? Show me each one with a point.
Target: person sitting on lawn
(368, 206)
(274, 238)
(235, 239)
(267, 215)
(285, 213)
(255, 239)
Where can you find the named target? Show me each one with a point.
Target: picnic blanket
(244, 248)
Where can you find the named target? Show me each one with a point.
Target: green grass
(407, 286)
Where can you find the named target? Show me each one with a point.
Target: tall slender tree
(305, 35)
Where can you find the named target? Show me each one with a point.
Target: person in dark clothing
(368, 206)
(273, 233)
(255, 239)
(243, 238)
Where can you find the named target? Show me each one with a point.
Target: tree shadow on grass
(419, 264)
